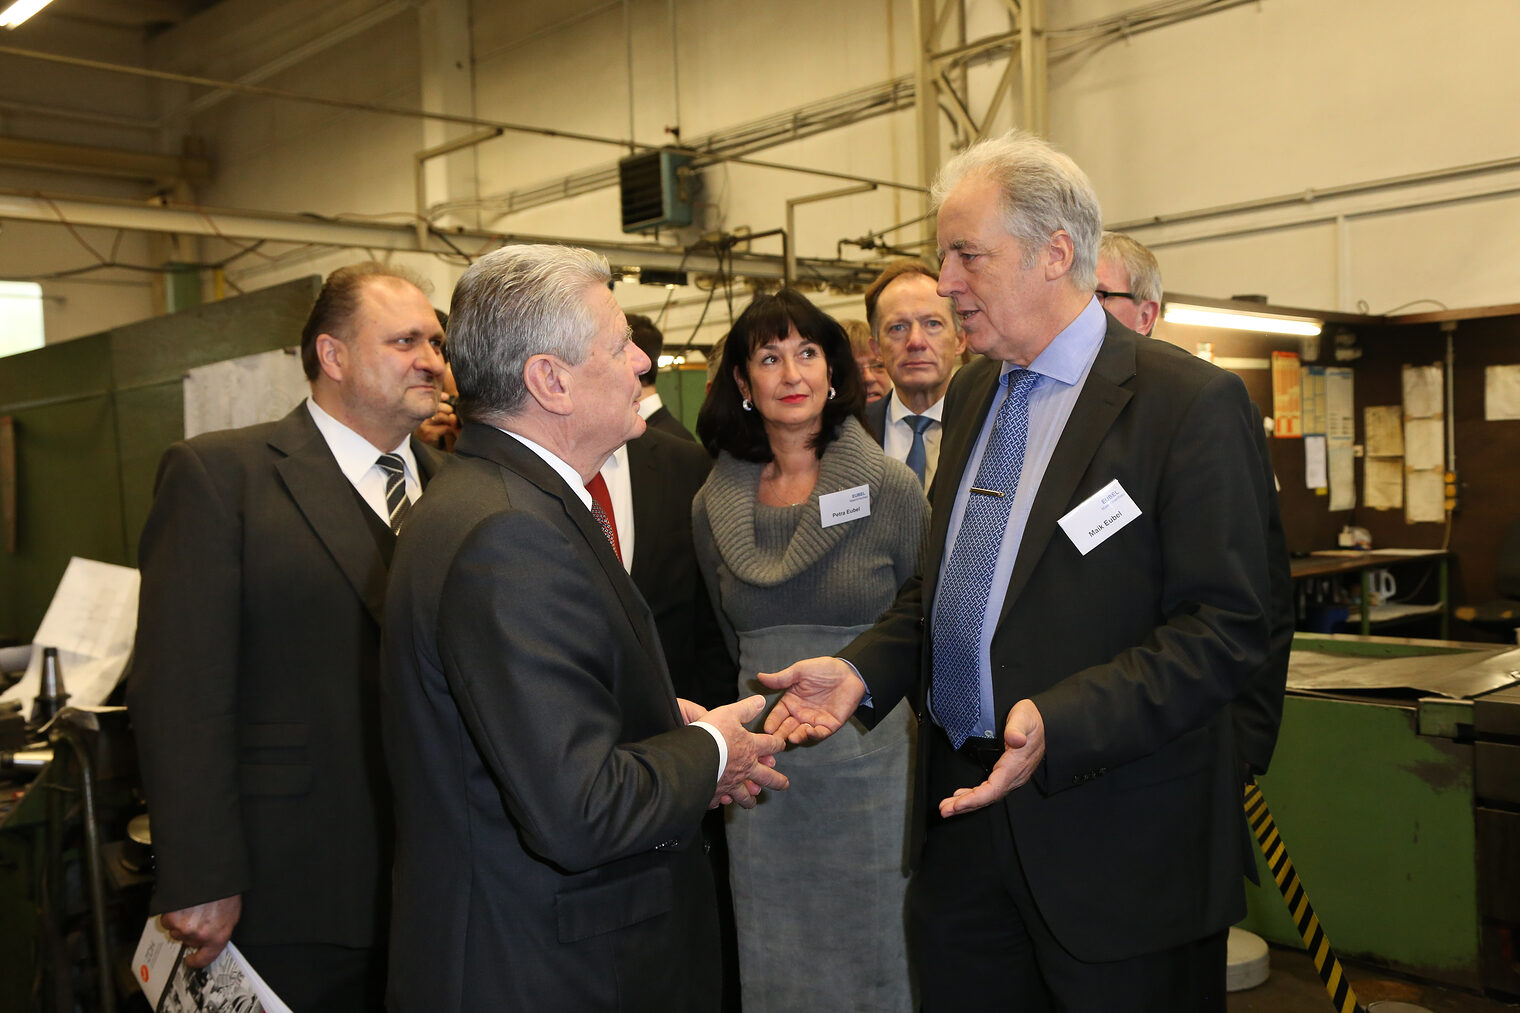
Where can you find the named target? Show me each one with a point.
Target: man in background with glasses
(1129, 282)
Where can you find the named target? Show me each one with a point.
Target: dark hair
(649, 339)
(338, 302)
(888, 275)
(723, 424)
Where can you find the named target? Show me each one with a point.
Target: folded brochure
(228, 984)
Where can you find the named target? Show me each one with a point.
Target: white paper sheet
(1340, 411)
(1423, 393)
(1424, 496)
(1312, 393)
(92, 621)
(1501, 392)
(1342, 478)
(1315, 469)
(1383, 430)
(242, 392)
(1383, 483)
(1425, 444)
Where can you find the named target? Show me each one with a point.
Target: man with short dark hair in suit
(1095, 593)
(549, 784)
(253, 688)
(651, 342)
(918, 340)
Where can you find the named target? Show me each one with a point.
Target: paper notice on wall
(1383, 485)
(1342, 477)
(1383, 427)
(1424, 444)
(1315, 467)
(244, 391)
(1501, 393)
(1287, 402)
(1423, 393)
(1312, 394)
(1425, 496)
(1340, 411)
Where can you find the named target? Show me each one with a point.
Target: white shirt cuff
(722, 747)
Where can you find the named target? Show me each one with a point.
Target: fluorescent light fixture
(1238, 320)
(665, 361)
(20, 11)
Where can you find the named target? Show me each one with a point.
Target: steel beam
(225, 223)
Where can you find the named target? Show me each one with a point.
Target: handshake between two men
(820, 696)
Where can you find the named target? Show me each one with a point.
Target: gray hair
(512, 304)
(1139, 265)
(1043, 191)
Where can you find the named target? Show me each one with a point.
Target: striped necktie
(397, 505)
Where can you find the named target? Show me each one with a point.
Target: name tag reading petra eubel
(1097, 518)
(844, 505)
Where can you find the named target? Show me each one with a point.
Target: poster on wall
(1315, 465)
(1340, 433)
(1383, 469)
(1287, 402)
(1424, 444)
(1501, 393)
(1312, 394)
(244, 391)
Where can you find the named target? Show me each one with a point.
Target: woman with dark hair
(804, 532)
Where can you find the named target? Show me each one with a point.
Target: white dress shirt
(898, 438)
(620, 491)
(356, 458)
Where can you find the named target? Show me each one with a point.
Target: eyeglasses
(1103, 295)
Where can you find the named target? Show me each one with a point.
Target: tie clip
(986, 492)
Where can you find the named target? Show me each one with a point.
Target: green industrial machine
(1400, 805)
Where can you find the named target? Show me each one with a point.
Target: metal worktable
(1400, 805)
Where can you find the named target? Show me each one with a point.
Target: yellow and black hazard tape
(1325, 961)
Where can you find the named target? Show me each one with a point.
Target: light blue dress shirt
(1063, 367)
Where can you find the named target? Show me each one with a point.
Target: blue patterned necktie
(918, 458)
(960, 604)
(396, 502)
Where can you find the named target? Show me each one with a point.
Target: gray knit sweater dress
(818, 871)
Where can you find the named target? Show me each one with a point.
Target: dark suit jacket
(1130, 832)
(663, 420)
(548, 798)
(253, 685)
(875, 416)
(665, 474)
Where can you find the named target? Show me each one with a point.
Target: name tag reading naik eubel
(1097, 518)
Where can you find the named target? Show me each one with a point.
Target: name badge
(844, 505)
(1093, 521)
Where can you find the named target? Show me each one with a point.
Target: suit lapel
(508, 453)
(1101, 400)
(326, 499)
(965, 414)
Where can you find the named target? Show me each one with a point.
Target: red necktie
(601, 509)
